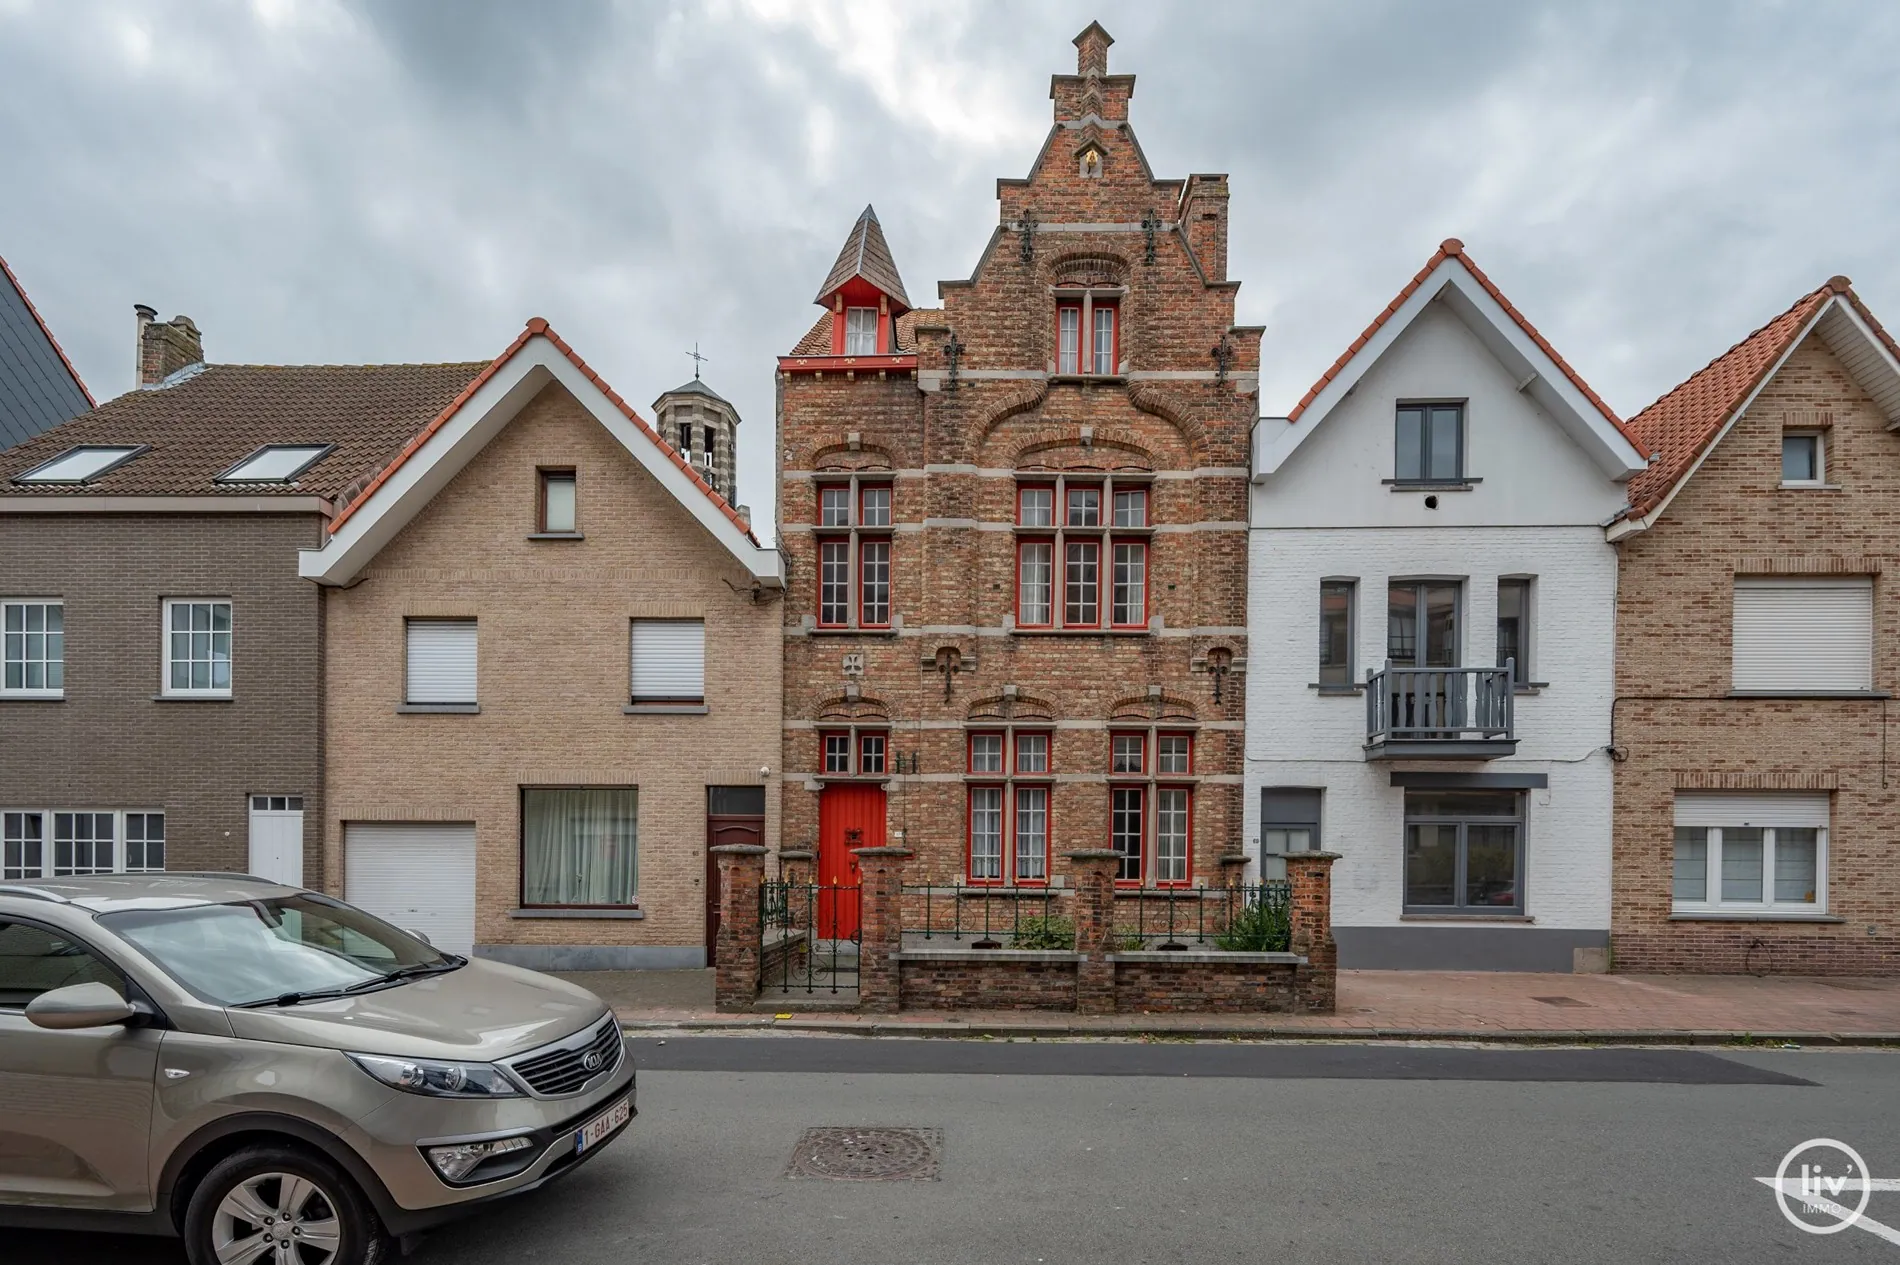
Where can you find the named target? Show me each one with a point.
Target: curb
(953, 1029)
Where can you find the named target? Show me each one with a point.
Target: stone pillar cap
(785, 854)
(882, 852)
(1313, 856)
(1093, 854)
(739, 849)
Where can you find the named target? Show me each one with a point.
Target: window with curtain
(860, 331)
(579, 846)
(1335, 632)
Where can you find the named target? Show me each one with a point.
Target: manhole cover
(867, 1155)
(1560, 1001)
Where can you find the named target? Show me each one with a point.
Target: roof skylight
(275, 463)
(79, 465)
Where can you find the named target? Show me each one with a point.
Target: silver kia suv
(276, 1076)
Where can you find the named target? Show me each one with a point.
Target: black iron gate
(808, 938)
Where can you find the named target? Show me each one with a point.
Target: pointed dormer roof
(866, 255)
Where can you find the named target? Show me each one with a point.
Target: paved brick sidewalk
(1391, 1004)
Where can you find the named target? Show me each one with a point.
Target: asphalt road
(1132, 1153)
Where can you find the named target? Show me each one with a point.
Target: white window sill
(1811, 487)
(630, 912)
(32, 696)
(1869, 694)
(1753, 915)
(438, 709)
(1431, 485)
(191, 698)
(1337, 691)
(556, 535)
(1466, 918)
(665, 709)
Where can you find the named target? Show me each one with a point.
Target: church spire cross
(698, 360)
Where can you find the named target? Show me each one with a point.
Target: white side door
(418, 876)
(277, 838)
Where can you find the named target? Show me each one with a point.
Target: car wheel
(281, 1205)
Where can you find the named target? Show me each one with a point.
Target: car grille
(564, 1070)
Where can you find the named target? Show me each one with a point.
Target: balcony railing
(1440, 713)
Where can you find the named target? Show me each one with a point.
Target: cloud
(328, 180)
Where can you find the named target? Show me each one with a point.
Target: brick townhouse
(160, 705)
(1015, 531)
(552, 655)
(1758, 646)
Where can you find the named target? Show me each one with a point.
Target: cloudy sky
(320, 180)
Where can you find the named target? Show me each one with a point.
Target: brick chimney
(1091, 50)
(1204, 217)
(165, 347)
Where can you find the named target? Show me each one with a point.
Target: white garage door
(421, 877)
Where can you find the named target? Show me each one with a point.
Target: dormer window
(1430, 443)
(860, 331)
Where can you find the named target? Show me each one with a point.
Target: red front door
(848, 817)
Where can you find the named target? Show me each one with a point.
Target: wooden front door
(722, 829)
(849, 817)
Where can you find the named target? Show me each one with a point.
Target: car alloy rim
(276, 1219)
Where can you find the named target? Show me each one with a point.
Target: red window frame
(1162, 737)
(1141, 619)
(822, 543)
(1114, 309)
(1082, 343)
(1023, 488)
(1048, 754)
(818, 504)
(824, 752)
(883, 740)
(1187, 856)
(1003, 808)
(1054, 585)
(871, 542)
(1002, 754)
(1048, 833)
(1140, 792)
(1068, 518)
(1086, 542)
(1141, 742)
(890, 509)
(1137, 490)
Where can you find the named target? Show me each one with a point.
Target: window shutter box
(669, 660)
(1766, 808)
(441, 661)
(1799, 636)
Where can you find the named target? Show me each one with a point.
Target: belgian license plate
(602, 1126)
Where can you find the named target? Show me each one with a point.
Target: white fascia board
(1544, 380)
(1840, 321)
(1630, 526)
(417, 481)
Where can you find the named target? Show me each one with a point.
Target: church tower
(704, 426)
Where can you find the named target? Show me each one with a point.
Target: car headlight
(457, 1161)
(439, 1078)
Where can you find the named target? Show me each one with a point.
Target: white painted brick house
(1431, 511)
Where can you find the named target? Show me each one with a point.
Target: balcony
(1440, 713)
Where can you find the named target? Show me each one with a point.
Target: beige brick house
(1758, 646)
(552, 663)
(1016, 534)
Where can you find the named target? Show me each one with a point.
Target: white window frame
(1820, 458)
(1768, 907)
(854, 339)
(1753, 682)
(24, 691)
(48, 849)
(664, 699)
(165, 661)
(409, 700)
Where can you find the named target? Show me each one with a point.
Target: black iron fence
(808, 937)
(1252, 918)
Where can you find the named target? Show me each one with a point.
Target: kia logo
(591, 1060)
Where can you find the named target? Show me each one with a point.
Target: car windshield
(254, 951)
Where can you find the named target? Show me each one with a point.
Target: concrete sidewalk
(1373, 1005)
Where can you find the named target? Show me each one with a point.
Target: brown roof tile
(867, 255)
(202, 426)
(1678, 427)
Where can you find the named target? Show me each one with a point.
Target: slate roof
(39, 387)
(867, 255)
(695, 387)
(204, 424)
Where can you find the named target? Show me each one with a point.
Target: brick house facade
(1015, 531)
(545, 798)
(1757, 647)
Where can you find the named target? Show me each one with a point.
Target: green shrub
(1257, 928)
(1046, 933)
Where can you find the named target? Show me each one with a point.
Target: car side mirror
(420, 935)
(80, 1006)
